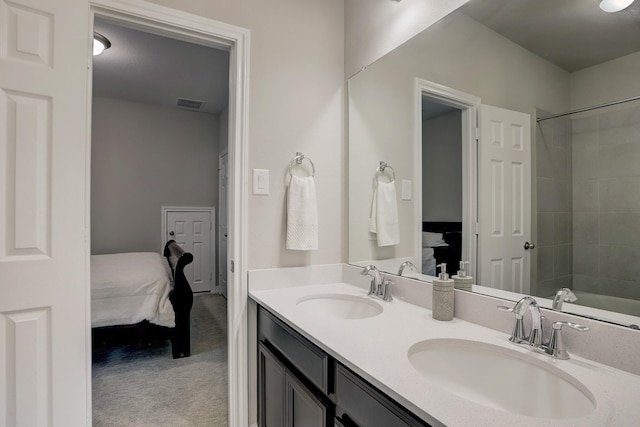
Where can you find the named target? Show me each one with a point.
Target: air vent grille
(190, 104)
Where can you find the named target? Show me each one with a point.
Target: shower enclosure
(588, 205)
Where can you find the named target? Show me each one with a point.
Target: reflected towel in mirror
(302, 214)
(384, 214)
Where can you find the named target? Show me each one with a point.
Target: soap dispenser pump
(442, 299)
(461, 280)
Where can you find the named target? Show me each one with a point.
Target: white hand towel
(302, 214)
(384, 214)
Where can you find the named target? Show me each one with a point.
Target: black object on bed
(181, 298)
(452, 235)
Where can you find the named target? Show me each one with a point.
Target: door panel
(43, 242)
(504, 199)
(192, 231)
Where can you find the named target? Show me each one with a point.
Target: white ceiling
(152, 69)
(573, 34)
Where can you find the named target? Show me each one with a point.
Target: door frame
(469, 105)
(219, 288)
(184, 26)
(212, 234)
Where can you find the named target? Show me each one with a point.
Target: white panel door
(223, 226)
(504, 199)
(193, 230)
(44, 347)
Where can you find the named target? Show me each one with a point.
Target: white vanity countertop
(376, 349)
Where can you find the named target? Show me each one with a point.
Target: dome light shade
(100, 44)
(615, 5)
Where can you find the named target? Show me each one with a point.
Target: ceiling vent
(190, 104)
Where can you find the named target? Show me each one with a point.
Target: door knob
(171, 233)
(528, 246)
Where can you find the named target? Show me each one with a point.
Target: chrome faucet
(554, 347)
(405, 264)
(376, 279)
(535, 334)
(563, 295)
(379, 286)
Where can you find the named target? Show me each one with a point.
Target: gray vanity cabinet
(299, 385)
(293, 378)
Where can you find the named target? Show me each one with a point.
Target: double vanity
(345, 358)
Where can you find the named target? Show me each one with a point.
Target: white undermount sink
(340, 306)
(501, 378)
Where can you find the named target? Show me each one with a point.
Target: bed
(441, 243)
(135, 288)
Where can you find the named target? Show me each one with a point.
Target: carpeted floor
(142, 385)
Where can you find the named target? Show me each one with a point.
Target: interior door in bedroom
(44, 252)
(193, 230)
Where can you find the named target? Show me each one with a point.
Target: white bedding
(128, 288)
(428, 262)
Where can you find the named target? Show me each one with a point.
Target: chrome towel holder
(380, 170)
(297, 161)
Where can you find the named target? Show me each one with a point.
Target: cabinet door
(271, 382)
(358, 403)
(302, 408)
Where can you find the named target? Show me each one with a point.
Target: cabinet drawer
(308, 359)
(359, 403)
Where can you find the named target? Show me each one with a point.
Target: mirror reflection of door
(504, 199)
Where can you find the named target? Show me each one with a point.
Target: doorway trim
(184, 26)
(469, 105)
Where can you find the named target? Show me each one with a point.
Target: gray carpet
(142, 385)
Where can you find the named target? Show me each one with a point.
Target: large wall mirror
(506, 135)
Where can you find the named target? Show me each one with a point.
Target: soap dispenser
(461, 280)
(442, 300)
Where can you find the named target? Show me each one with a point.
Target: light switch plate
(261, 182)
(407, 189)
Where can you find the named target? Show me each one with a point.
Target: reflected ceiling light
(100, 44)
(615, 5)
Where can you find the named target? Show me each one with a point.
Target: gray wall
(144, 157)
(606, 202)
(381, 103)
(554, 211)
(442, 168)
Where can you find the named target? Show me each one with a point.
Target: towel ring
(297, 161)
(381, 170)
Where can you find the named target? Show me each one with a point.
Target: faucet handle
(386, 293)
(559, 324)
(517, 335)
(555, 348)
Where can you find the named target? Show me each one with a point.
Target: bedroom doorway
(198, 32)
(450, 108)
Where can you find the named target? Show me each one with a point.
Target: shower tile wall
(554, 196)
(606, 203)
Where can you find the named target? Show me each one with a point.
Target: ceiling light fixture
(100, 44)
(615, 5)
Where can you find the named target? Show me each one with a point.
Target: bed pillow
(430, 239)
